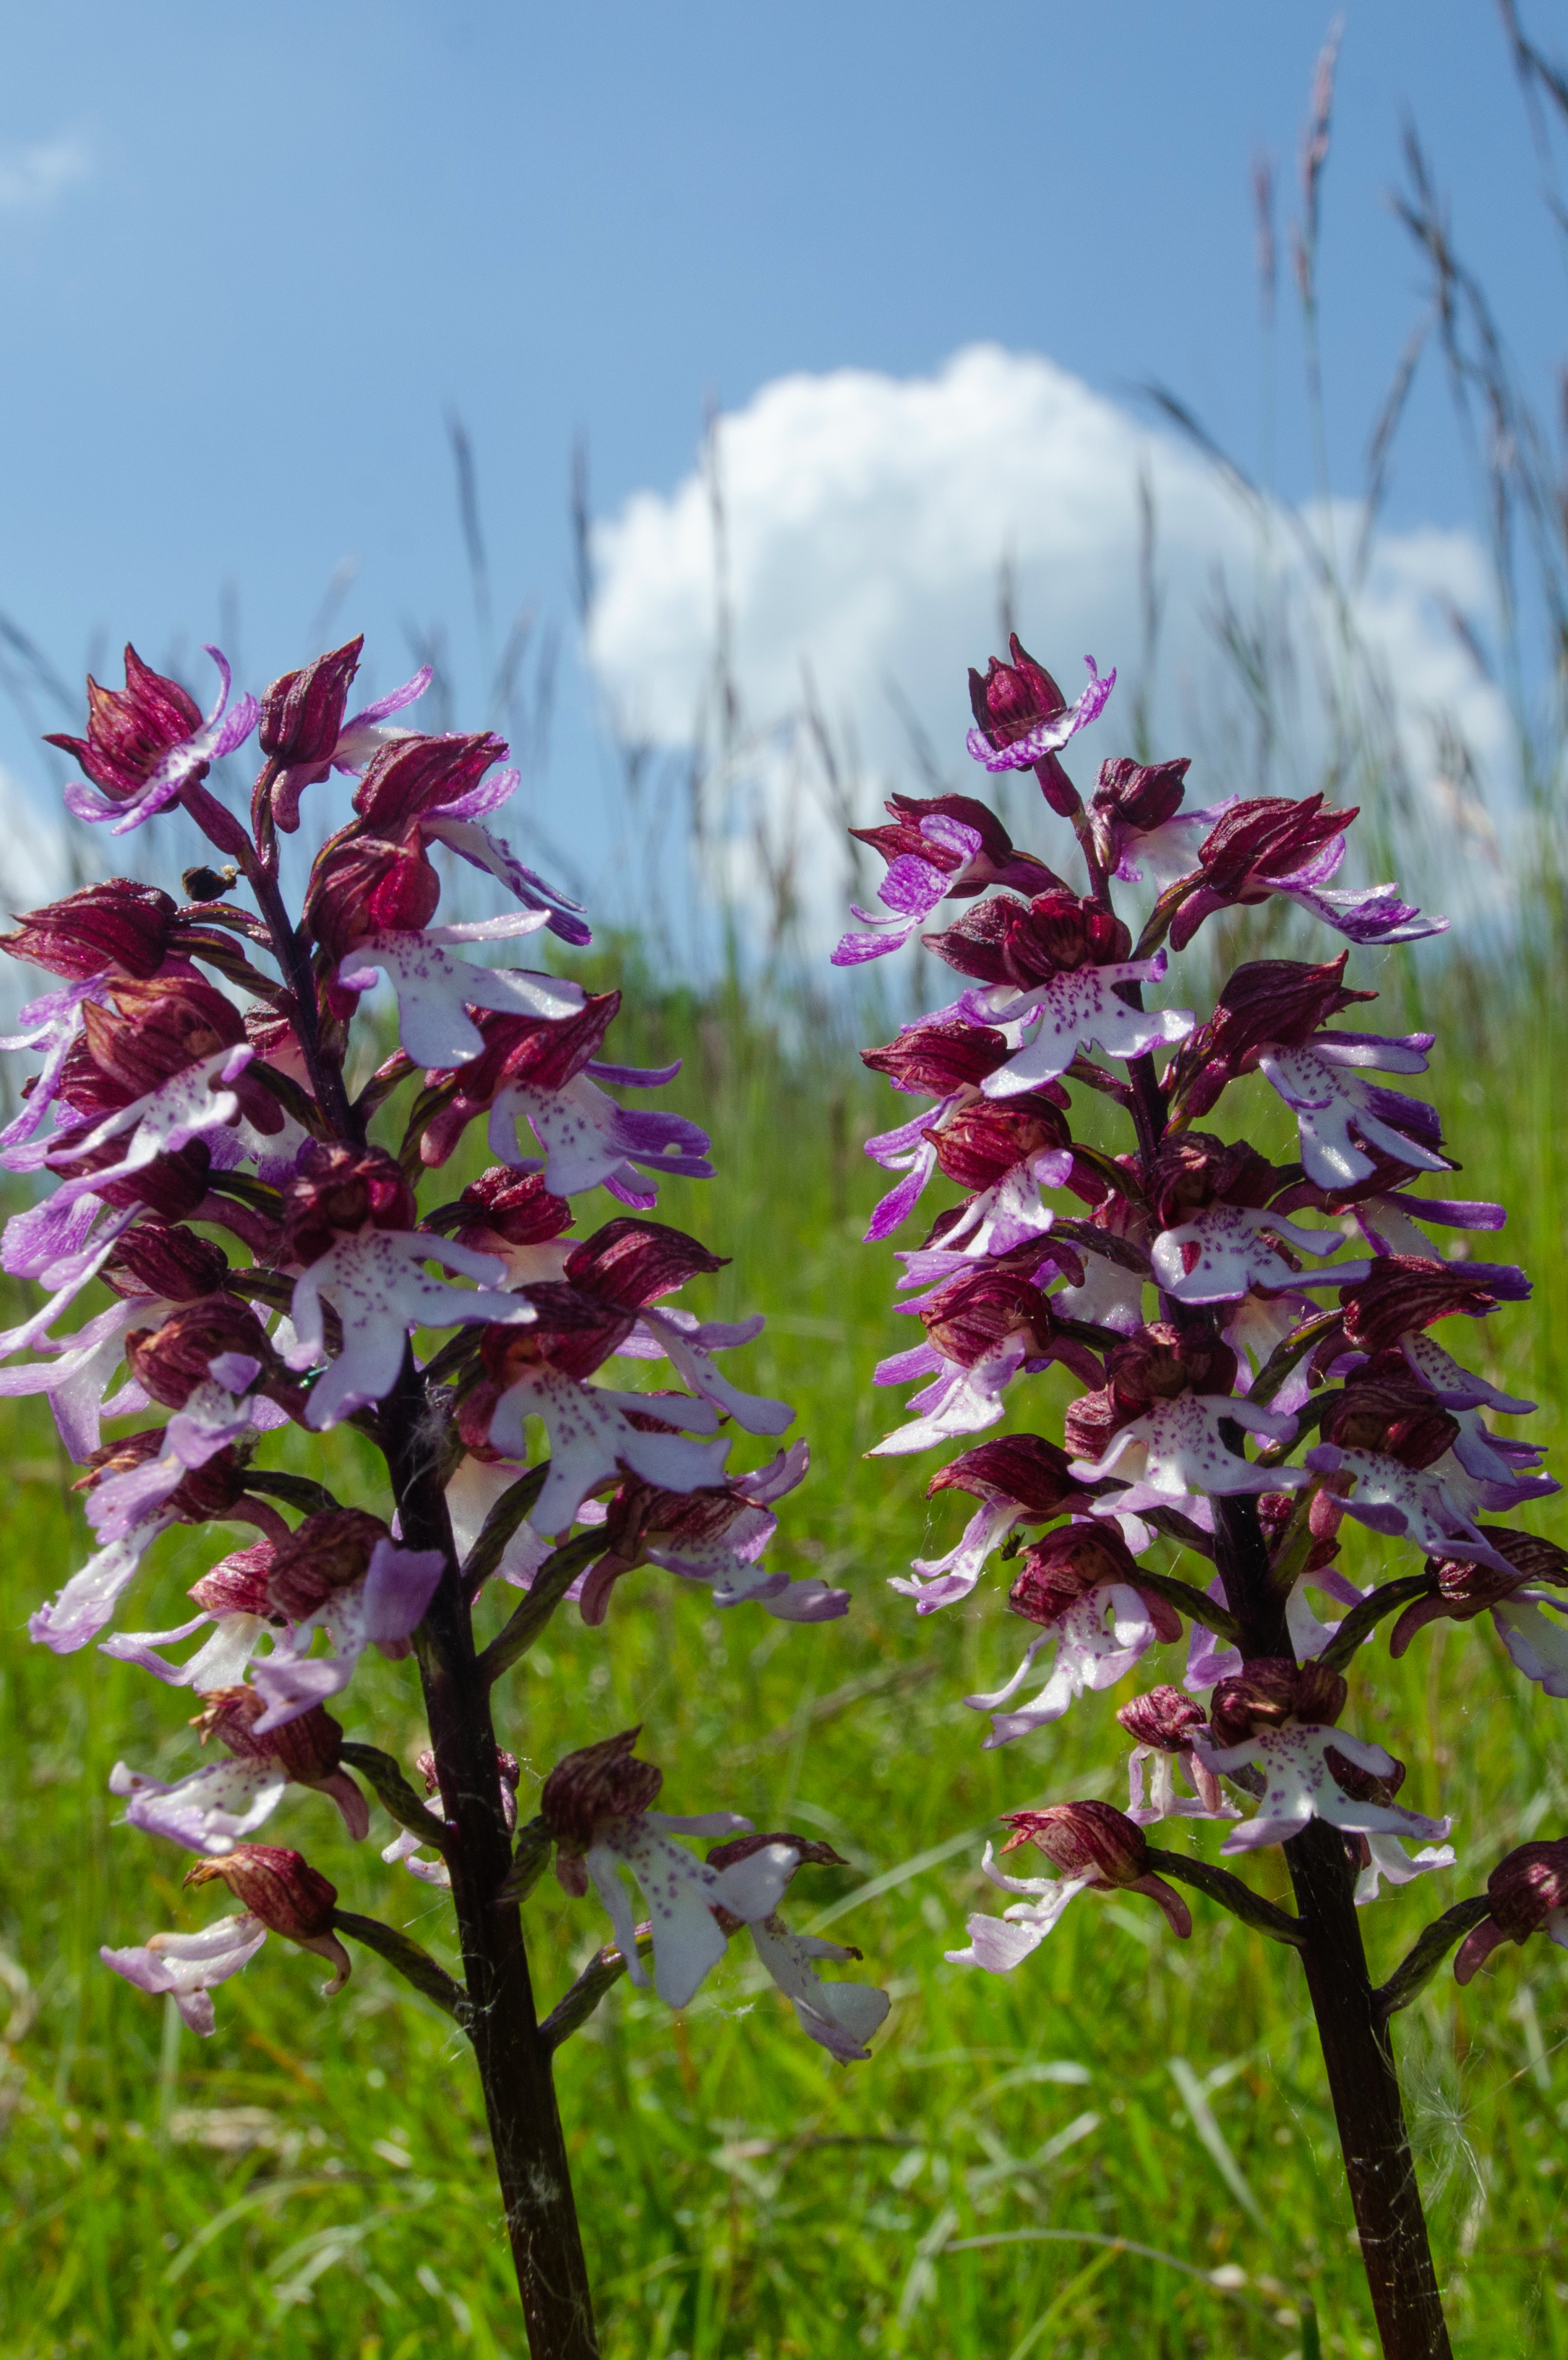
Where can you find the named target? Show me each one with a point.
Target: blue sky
(249, 258)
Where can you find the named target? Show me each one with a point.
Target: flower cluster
(1252, 1342)
(267, 1263)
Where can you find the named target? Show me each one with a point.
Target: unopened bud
(1092, 1840)
(363, 883)
(168, 1261)
(1023, 1467)
(1395, 1416)
(1163, 1718)
(939, 1058)
(309, 1747)
(279, 1887)
(336, 1192)
(1270, 1693)
(171, 1362)
(1065, 1566)
(118, 923)
(1140, 795)
(514, 1207)
(328, 1552)
(302, 713)
(1529, 1887)
(237, 1584)
(630, 1261)
(597, 1784)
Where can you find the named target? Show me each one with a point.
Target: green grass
(315, 2179)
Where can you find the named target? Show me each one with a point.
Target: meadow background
(1124, 2148)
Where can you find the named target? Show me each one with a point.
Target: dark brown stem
(513, 2053)
(1359, 2055)
(1358, 2049)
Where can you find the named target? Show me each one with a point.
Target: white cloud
(867, 518)
(34, 178)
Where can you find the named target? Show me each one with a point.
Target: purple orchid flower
(1319, 1085)
(1097, 1640)
(192, 1103)
(1047, 736)
(1072, 1012)
(1176, 1447)
(1433, 1506)
(183, 765)
(381, 1292)
(383, 1609)
(434, 989)
(1000, 1944)
(683, 1892)
(1232, 1255)
(211, 1420)
(188, 1967)
(1300, 1786)
(359, 739)
(592, 1142)
(592, 1438)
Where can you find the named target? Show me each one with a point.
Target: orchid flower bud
(169, 1362)
(163, 1259)
(1092, 1840)
(338, 1191)
(130, 730)
(119, 923)
(1012, 700)
(302, 713)
(1162, 1718)
(366, 883)
(1272, 1693)
(328, 1552)
(289, 1897)
(1529, 1894)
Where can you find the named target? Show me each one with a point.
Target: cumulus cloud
(868, 520)
(34, 178)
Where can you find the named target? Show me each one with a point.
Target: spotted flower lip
(187, 1968)
(1320, 1083)
(382, 1609)
(596, 1805)
(1431, 1505)
(379, 1286)
(1176, 1447)
(592, 1437)
(1299, 1785)
(130, 788)
(1072, 1011)
(1232, 1254)
(435, 990)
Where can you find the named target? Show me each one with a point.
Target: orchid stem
(1352, 2025)
(509, 2044)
